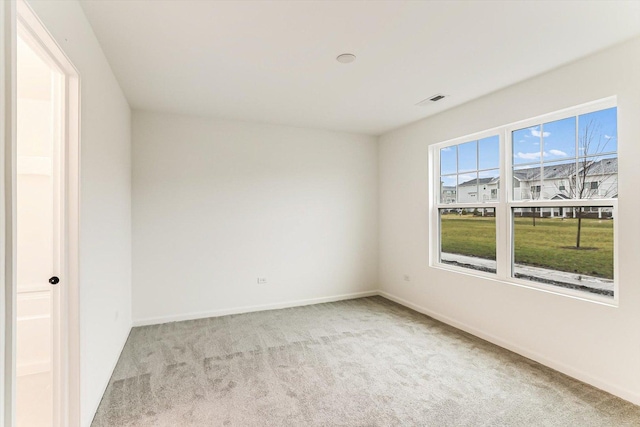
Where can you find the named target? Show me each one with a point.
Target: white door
(42, 281)
(39, 223)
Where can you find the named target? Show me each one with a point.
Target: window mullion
(502, 212)
(434, 201)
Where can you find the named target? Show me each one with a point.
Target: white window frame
(436, 205)
(505, 203)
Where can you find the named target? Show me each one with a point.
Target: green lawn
(547, 245)
(469, 235)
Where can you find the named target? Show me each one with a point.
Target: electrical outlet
(407, 278)
(262, 280)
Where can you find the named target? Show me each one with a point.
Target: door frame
(65, 358)
(7, 189)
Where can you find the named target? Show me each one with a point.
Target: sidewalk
(560, 278)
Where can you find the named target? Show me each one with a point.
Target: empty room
(320, 213)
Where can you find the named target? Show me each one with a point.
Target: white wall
(219, 203)
(105, 206)
(596, 343)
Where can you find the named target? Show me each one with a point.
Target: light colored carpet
(364, 362)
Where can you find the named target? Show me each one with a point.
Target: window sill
(540, 287)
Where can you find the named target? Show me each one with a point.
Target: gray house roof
(604, 167)
(480, 181)
(566, 170)
(553, 171)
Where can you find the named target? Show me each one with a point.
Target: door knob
(54, 280)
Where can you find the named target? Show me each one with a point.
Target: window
(468, 238)
(468, 232)
(469, 170)
(556, 214)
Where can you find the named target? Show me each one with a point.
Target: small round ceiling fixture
(346, 58)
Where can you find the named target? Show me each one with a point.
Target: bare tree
(535, 195)
(591, 177)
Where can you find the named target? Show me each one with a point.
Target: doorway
(46, 231)
(38, 254)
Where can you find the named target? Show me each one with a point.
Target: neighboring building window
(560, 206)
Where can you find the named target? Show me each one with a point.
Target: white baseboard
(578, 374)
(249, 309)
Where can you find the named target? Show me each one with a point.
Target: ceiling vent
(431, 100)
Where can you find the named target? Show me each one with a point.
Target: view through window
(469, 174)
(573, 160)
(558, 211)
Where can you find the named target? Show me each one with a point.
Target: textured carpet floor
(365, 362)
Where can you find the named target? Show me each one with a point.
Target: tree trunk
(579, 228)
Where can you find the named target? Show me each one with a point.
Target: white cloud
(536, 155)
(609, 137)
(557, 153)
(528, 156)
(446, 149)
(536, 133)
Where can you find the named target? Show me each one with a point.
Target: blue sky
(486, 152)
(552, 141)
(556, 140)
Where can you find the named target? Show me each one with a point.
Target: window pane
(468, 238)
(559, 139)
(597, 177)
(489, 185)
(489, 153)
(448, 160)
(448, 185)
(526, 145)
(527, 182)
(559, 180)
(468, 156)
(598, 132)
(468, 188)
(569, 247)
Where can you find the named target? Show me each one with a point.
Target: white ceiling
(274, 62)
